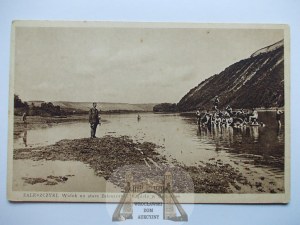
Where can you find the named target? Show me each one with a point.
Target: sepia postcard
(111, 111)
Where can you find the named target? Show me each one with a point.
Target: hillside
(257, 81)
(268, 48)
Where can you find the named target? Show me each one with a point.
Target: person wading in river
(278, 117)
(216, 103)
(94, 119)
(24, 117)
(198, 115)
(254, 115)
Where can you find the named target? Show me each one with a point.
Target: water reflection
(229, 135)
(254, 133)
(280, 134)
(263, 145)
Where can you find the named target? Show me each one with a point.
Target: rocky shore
(107, 154)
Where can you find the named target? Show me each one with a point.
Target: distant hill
(103, 106)
(165, 107)
(257, 81)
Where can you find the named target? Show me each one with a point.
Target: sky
(126, 65)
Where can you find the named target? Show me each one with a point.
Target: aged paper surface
(196, 113)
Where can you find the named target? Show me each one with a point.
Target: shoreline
(36, 122)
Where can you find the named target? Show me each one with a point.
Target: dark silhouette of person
(216, 102)
(94, 119)
(24, 117)
(278, 117)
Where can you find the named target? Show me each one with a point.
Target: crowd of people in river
(228, 117)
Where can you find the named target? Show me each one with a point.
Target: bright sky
(129, 65)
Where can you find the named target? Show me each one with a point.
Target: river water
(258, 149)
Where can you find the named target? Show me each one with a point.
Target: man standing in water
(254, 115)
(94, 119)
(198, 115)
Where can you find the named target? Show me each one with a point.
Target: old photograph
(99, 109)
